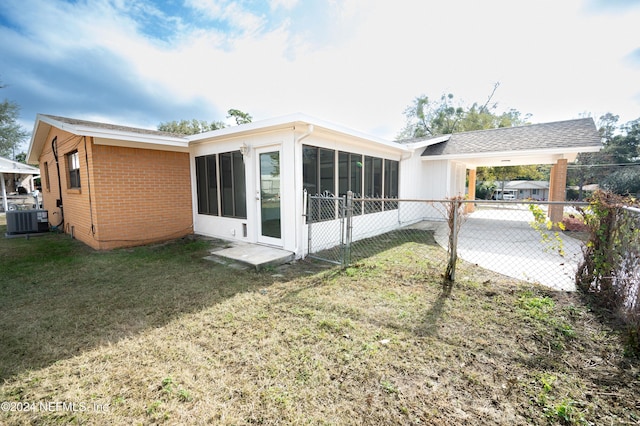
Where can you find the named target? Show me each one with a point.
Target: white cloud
(356, 62)
(212, 8)
(284, 4)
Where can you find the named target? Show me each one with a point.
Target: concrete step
(253, 255)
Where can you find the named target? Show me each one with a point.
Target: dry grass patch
(178, 340)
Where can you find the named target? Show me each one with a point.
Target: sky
(357, 63)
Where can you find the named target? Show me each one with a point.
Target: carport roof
(10, 166)
(540, 143)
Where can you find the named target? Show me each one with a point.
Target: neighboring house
(522, 190)
(247, 183)
(13, 176)
(530, 189)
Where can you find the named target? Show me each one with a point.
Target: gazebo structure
(20, 172)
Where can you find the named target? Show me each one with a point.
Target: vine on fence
(601, 259)
(545, 228)
(610, 263)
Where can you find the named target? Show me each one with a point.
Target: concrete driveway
(503, 241)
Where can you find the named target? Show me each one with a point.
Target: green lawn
(159, 335)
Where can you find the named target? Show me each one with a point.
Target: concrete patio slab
(252, 255)
(504, 241)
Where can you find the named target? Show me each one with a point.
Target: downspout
(86, 158)
(54, 149)
(310, 129)
(298, 172)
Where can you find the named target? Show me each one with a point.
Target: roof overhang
(44, 123)
(514, 158)
(295, 122)
(428, 142)
(15, 167)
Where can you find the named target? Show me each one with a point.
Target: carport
(17, 170)
(554, 143)
(499, 236)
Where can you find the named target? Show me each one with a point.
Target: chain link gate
(329, 228)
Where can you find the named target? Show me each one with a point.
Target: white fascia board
(290, 121)
(532, 152)
(120, 135)
(136, 137)
(428, 142)
(351, 132)
(237, 131)
(37, 141)
(139, 145)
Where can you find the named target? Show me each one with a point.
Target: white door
(268, 196)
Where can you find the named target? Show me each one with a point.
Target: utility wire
(575, 166)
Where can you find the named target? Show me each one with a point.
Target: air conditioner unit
(27, 221)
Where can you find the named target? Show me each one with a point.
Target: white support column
(5, 205)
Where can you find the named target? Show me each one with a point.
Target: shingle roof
(560, 134)
(107, 126)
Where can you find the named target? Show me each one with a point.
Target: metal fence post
(346, 259)
(454, 242)
(308, 217)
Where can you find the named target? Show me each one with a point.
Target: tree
(425, 117)
(240, 117)
(616, 167)
(624, 147)
(584, 171)
(623, 150)
(12, 134)
(625, 181)
(21, 157)
(194, 126)
(608, 125)
(428, 118)
(190, 127)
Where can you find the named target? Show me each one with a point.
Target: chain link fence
(514, 238)
(627, 277)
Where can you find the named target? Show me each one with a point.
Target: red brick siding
(141, 195)
(75, 201)
(137, 196)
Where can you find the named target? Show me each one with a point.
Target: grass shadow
(61, 298)
(372, 246)
(432, 317)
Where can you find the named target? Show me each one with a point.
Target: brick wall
(128, 196)
(142, 195)
(75, 201)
